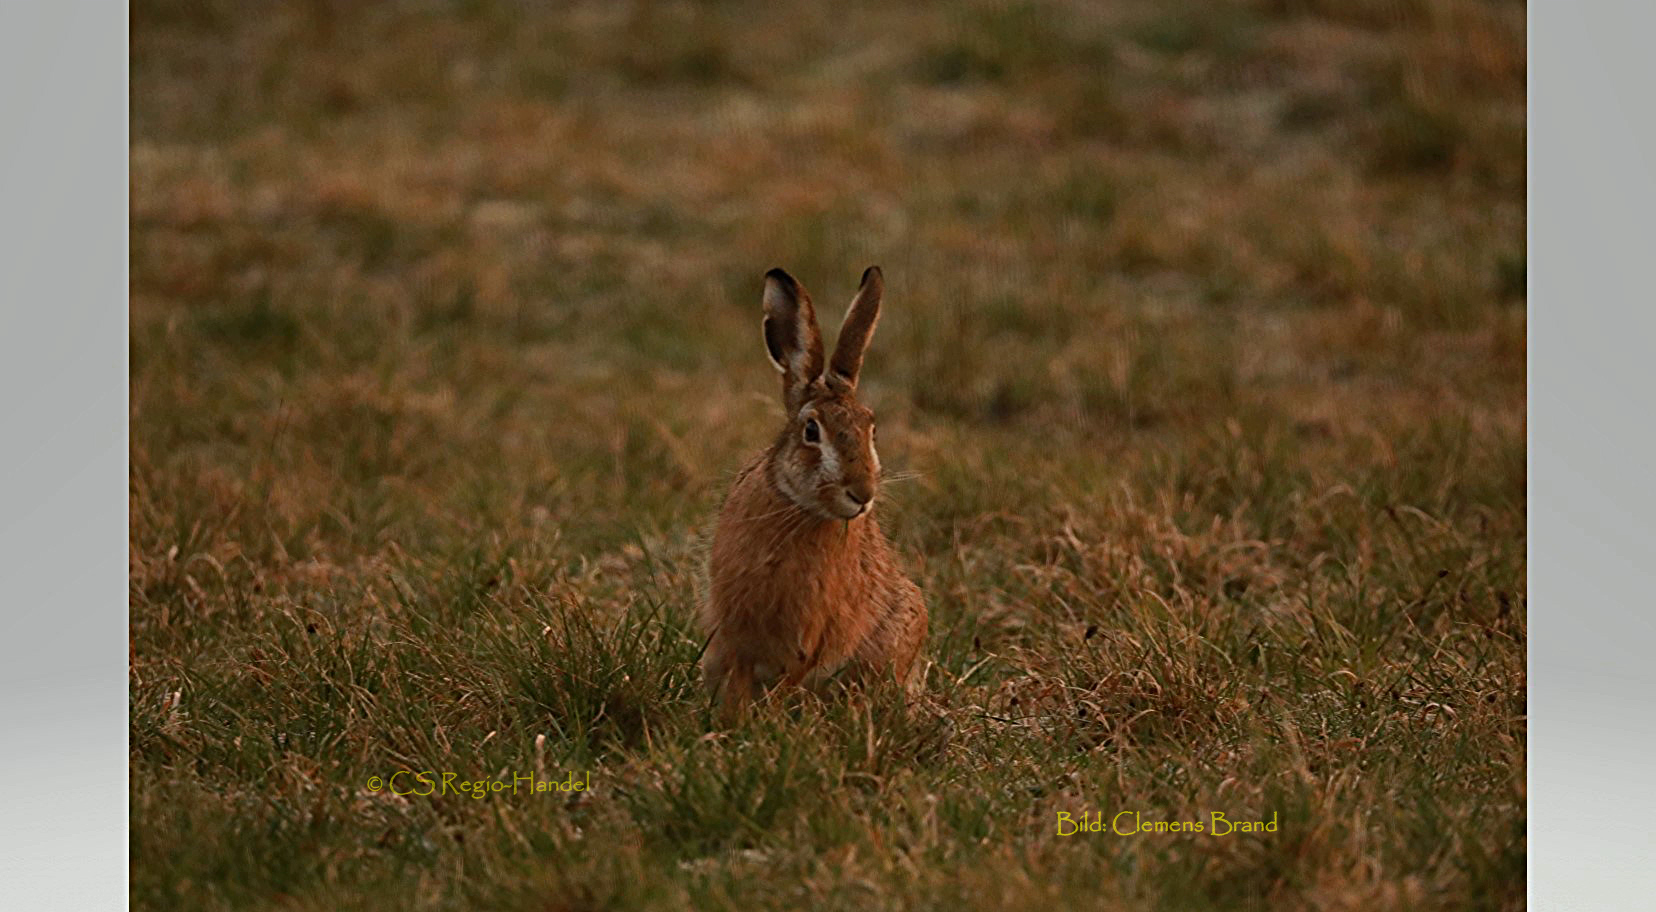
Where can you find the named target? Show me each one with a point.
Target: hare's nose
(855, 497)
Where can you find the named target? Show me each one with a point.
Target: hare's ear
(791, 336)
(858, 328)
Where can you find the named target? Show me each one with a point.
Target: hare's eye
(813, 433)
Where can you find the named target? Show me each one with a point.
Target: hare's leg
(912, 616)
(715, 665)
(736, 691)
(890, 648)
(802, 667)
(729, 678)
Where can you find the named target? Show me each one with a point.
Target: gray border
(63, 454)
(63, 445)
(1592, 554)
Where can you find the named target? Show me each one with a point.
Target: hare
(803, 585)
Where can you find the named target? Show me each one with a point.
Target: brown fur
(798, 591)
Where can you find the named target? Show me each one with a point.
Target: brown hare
(803, 584)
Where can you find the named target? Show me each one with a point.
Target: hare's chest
(799, 625)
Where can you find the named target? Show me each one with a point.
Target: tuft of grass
(1009, 42)
(1415, 138)
(1512, 276)
(1223, 31)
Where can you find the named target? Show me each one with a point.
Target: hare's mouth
(846, 507)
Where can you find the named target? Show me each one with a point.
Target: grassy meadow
(1201, 373)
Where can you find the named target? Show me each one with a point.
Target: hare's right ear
(791, 336)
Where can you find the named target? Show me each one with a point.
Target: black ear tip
(781, 275)
(872, 272)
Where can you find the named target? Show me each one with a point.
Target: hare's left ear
(791, 336)
(857, 329)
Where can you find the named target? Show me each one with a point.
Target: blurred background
(508, 255)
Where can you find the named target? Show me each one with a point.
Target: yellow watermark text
(426, 783)
(1134, 823)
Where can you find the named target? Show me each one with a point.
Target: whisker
(896, 477)
(790, 514)
(759, 516)
(789, 527)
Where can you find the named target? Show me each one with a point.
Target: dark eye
(813, 433)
